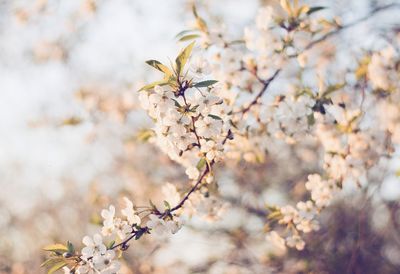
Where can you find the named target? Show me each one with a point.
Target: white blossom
(192, 172)
(106, 263)
(171, 195)
(295, 241)
(275, 240)
(93, 246)
(208, 127)
(129, 213)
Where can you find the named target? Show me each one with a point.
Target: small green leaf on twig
(145, 134)
(184, 32)
(215, 117)
(159, 66)
(315, 9)
(183, 57)
(59, 248)
(152, 85)
(110, 244)
(167, 205)
(188, 37)
(56, 267)
(71, 248)
(203, 84)
(202, 162)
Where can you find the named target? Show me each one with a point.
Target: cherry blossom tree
(278, 107)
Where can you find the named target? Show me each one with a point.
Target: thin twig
(264, 88)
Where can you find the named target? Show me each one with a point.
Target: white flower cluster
(300, 219)
(382, 69)
(162, 227)
(189, 124)
(275, 38)
(389, 118)
(96, 258)
(122, 228)
(171, 224)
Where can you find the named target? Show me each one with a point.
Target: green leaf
(274, 215)
(184, 32)
(194, 10)
(202, 162)
(203, 84)
(56, 267)
(182, 58)
(167, 205)
(71, 121)
(159, 66)
(96, 219)
(200, 21)
(315, 9)
(60, 248)
(170, 80)
(145, 134)
(152, 204)
(193, 109)
(234, 42)
(176, 103)
(188, 37)
(71, 248)
(215, 117)
(311, 119)
(152, 85)
(52, 261)
(110, 244)
(331, 89)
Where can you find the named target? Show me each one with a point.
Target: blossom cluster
(191, 119)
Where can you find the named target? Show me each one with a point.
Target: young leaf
(194, 10)
(235, 42)
(286, 6)
(203, 84)
(184, 32)
(182, 58)
(215, 117)
(159, 66)
(167, 205)
(110, 244)
(176, 103)
(201, 24)
(152, 204)
(145, 134)
(311, 119)
(71, 248)
(56, 267)
(315, 9)
(201, 163)
(152, 85)
(331, 89)
(60, 248)
(52, 261)
(188, 37)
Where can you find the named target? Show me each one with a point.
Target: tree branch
(352, 24)
(264, 88)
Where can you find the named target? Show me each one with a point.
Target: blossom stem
(264, 88)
